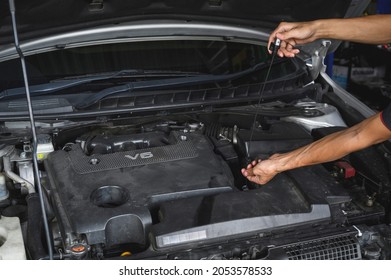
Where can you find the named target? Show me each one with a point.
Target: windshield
(195, 56)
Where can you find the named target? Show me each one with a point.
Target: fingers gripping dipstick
(273, 48)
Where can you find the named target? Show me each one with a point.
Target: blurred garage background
(364, 70)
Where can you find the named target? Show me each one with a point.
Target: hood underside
(43, 18)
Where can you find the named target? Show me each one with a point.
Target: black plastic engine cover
(110, 198)
(281, 137)
(307, 195)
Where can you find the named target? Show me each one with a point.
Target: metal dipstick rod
(274, 48)
(32, 122)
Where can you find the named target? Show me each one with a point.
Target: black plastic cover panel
(113, 204)
(302, 196)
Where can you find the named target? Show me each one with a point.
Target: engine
(172, 188)
(109, 193)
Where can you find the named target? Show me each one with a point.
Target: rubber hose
(34, 237)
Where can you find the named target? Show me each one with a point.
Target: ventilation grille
(343, 247)
(36, 103)
(291, 86)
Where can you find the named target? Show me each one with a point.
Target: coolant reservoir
(11, 239)
(44, 147)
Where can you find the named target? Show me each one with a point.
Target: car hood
(41, 20)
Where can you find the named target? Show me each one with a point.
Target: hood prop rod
(32, 122)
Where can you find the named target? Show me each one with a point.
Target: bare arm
(374, 29)
(334, 146)
(371, 29)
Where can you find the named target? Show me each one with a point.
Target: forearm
(332, 147)
(329, 148)
(336, 145)
(370, 29)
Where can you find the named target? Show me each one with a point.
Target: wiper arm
(166, 83)
(58, 85)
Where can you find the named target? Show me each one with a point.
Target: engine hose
(212, 129)
(35, 247)
(14, 177)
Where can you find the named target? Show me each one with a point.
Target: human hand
(261, 171)
(292, 34)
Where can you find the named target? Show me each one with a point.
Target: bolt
(94, 161)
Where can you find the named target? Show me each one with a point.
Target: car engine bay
(170, 187)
